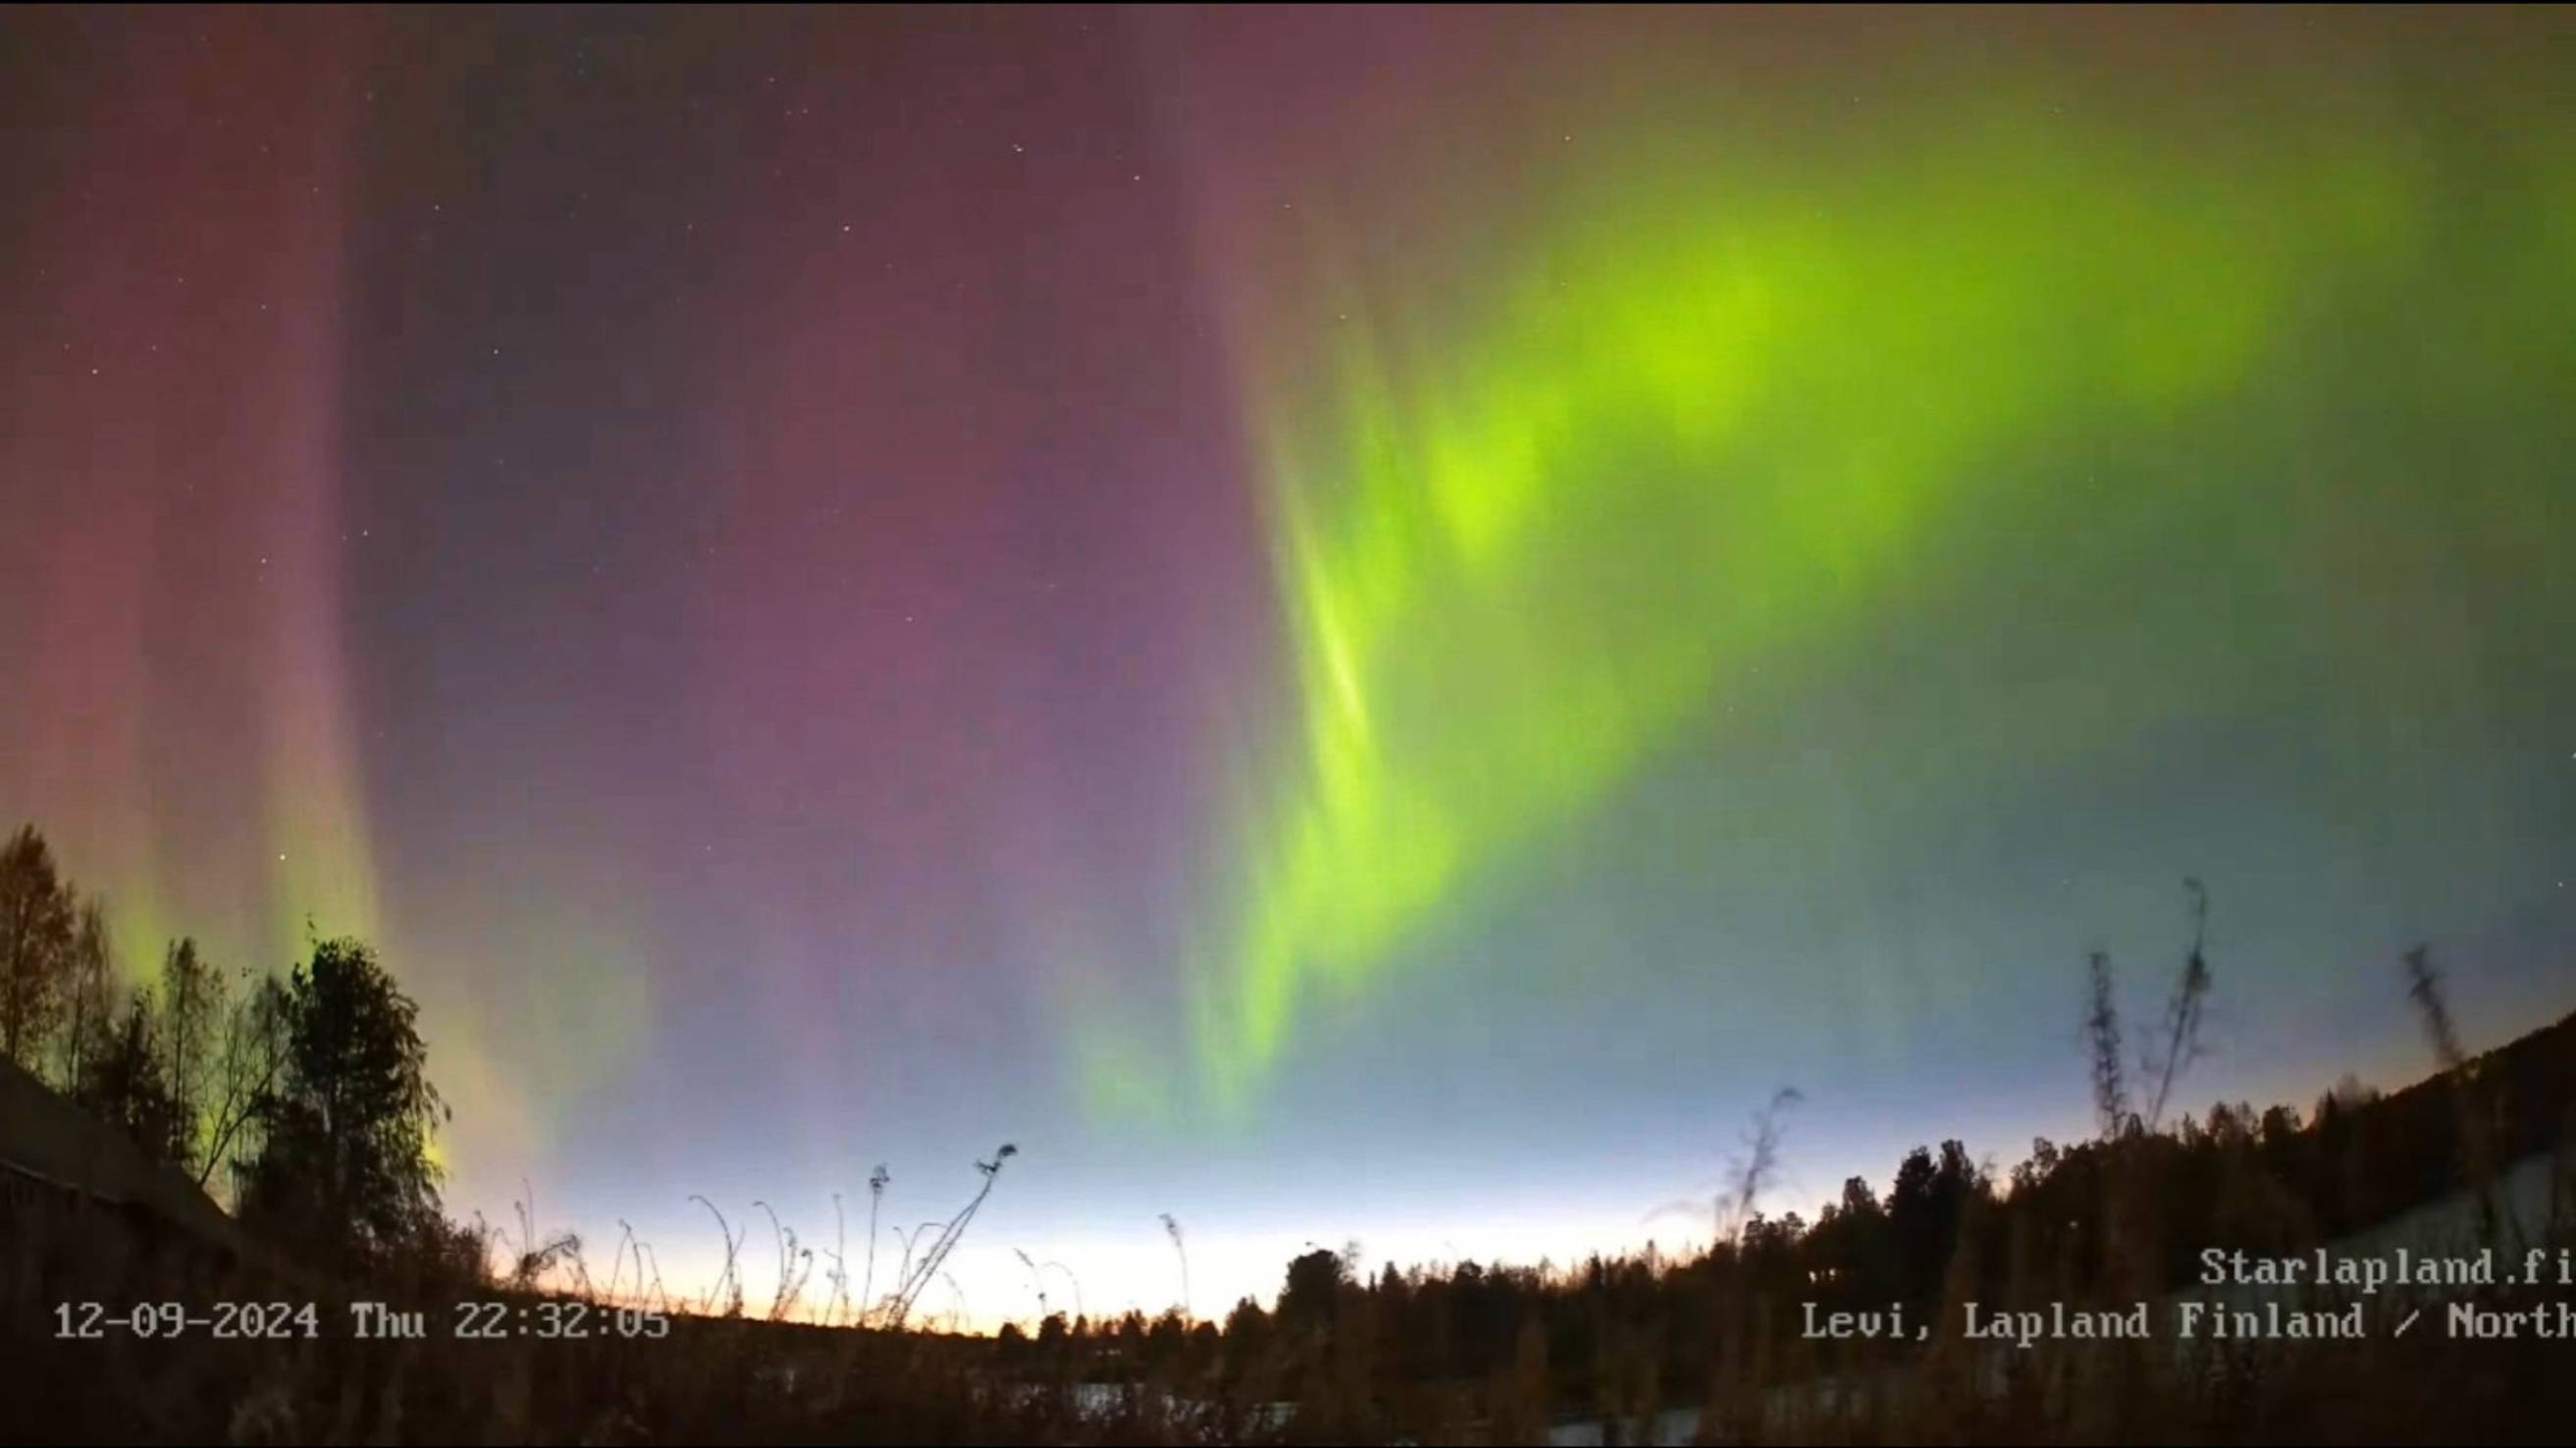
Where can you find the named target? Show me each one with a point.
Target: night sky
(1345, 625)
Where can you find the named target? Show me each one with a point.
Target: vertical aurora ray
(175, 567)
(1707, 411)
(315, 801)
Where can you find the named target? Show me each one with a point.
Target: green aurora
(1721, 406)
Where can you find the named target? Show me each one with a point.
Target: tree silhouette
(1314, 1280)
(191, 997)
(35, 942)
(249, 1057)
(344, 1162)
(88, 1000)
(1924, 1207)
(2102, 1042)
(1854, 1244)
(122, 1077)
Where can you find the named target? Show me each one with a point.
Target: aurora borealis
(1345, 625)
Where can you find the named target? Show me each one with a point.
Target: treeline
(304, 1100)
(2111, 1219)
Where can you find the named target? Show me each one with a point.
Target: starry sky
(1361, 625)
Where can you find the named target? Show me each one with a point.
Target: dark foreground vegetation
(304, 1103)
